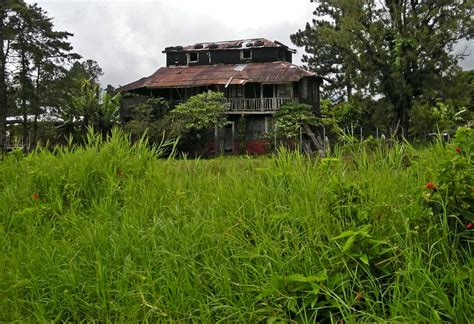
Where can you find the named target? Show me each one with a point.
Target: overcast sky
(126, 37)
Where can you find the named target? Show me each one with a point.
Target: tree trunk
(3, 85)
(24, 107)
(402, 106)
(36, 108)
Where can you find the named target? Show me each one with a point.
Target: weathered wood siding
(308, 92)
(230, 56)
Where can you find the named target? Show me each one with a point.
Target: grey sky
(126, 37)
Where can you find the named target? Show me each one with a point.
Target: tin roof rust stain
(225, 74)
(225, 45)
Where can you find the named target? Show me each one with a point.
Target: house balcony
(234, 105)
(256, 105)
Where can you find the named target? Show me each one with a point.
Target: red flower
(35, 196)
(469, 226)
(458, 149)
(430, 186)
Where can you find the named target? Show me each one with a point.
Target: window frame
(189, 57)
(242, 51)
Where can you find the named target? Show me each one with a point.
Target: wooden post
(301, 140)
(216, 140)
(233, 137)
(275, 130)
(324, 138)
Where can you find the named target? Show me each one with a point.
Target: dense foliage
(39, 76)
(290, 118)
(399, 51)
(200, 112)
(108, 232)
(188, 123)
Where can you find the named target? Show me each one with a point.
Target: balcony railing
(257, 104)
(234, 105)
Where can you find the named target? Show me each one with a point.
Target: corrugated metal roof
(224, 74)
(237, 44)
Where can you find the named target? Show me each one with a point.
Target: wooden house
(256, 76)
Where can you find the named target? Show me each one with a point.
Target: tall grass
(108, 232)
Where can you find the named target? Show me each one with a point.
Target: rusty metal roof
(222, 45)
(224, 74)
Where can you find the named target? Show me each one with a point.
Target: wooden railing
(258, 104)
(15, 143)
(233, 104)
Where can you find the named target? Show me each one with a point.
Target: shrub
(290, 117)
(200, 112)
(451, 192)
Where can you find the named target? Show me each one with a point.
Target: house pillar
(274, 97)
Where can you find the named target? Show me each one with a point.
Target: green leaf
(321, 276)
(345, 234)
(364, 259)
(349, 243)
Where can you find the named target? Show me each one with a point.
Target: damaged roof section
(207, 75)
(224, 45)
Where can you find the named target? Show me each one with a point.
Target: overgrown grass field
(110, 232)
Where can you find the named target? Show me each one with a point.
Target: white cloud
(126, 37)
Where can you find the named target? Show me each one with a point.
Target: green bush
(451, 191)
(290, 117)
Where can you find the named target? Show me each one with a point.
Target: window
(245, 54)
(268, 124)
(304, 89)
(193, 57)
(255, 129)
(268, 90)
(285, 90)
(236, 91)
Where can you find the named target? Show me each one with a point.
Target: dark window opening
(268, 91)
(246, 54)
(304, 89)
(252, 90)
(255, 129)
(193, 57)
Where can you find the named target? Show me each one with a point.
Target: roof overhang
(223, 74)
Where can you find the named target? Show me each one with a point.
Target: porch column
(274, 102)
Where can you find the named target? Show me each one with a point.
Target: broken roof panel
(237, 44)
(206, 75)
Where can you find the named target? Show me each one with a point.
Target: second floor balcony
(233, 105)
(253, 105)
(256, 105)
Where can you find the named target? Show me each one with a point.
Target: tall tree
(399, 50)
(3, 85)
(81, 80)
(50, 51)
(8, 9)
(42, 52)
(35, 54)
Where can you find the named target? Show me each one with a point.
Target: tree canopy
(398, 50)
(39, 74)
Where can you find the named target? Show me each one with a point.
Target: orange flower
(35, 196)
(458, 149)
